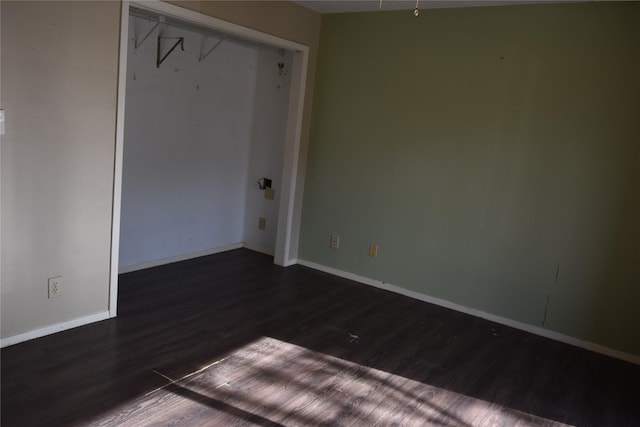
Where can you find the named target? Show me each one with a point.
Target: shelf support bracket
(179, 41)
(137, 43)
(204, 56)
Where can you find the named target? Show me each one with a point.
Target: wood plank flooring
(231, 339)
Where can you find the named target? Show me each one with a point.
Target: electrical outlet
(334, 243)
(262, 223)
(55, 286)
(373, 250)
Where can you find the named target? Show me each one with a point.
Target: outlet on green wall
(481, 148)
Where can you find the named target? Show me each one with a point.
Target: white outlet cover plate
(54, 286)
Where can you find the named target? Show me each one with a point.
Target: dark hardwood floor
(231, 339)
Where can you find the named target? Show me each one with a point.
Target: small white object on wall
(1, 122)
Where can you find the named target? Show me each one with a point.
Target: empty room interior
(295, 213)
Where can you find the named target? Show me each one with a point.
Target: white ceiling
(341, 6)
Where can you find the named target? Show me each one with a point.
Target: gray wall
(59, 80)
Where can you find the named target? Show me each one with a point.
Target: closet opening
(208, 140)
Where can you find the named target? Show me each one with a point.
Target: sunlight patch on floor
(271, 382)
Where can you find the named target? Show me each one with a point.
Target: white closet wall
(187, 145)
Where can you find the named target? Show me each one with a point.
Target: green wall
(480, 148)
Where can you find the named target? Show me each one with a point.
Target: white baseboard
(290, 262)
(52, 329)
(257, 248)
(536, 330)
(59, 327)
(178, 258)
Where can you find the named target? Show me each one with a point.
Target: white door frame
(292, 178)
